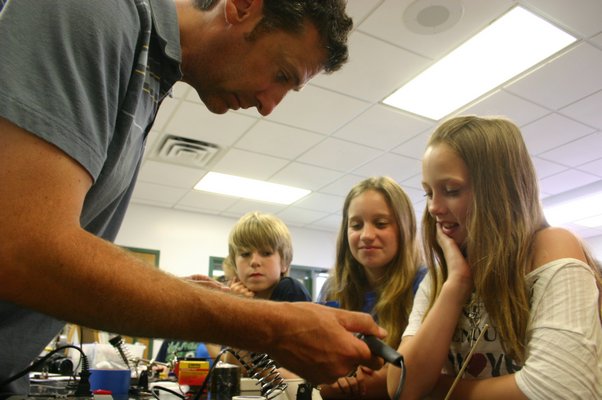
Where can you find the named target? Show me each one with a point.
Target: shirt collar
(165, 23)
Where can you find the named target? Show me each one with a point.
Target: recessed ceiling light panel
(253, 189)
(507, 47)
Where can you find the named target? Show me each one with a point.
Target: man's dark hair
(328, 16)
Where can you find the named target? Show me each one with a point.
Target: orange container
(192, 373)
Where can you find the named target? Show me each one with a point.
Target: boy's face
(259, 270)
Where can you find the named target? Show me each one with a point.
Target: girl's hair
(260, 231)
(395, 295)
(501, 222)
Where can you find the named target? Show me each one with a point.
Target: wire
(85, 366)
(197, 396)
(157, 388)
(402, 380)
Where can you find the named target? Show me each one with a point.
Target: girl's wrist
(456, 290)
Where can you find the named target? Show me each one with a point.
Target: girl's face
(372, 233)
(259, 270)
(447, 186)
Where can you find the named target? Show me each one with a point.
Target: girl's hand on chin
(457, 266)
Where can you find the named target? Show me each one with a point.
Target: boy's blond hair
(260, 231)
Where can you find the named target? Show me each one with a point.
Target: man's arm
(50, 264)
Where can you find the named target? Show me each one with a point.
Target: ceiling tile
(588, 110)
(243, 206)
(321, 202)
(414, 194)
(194, 121)
(343, 185)
(204, 201)
(392, 165)
(387, 23)
(151, 139)
(545, 168)
(249, 165)
(382, 127)
(414, 147)
(594, 167)
(182, 90)
(582, 17)
(299, 216)
(169, 174)
(366, 79)
(152, 202)
(161, 193)
(358, 10)
(338, 155)
(554, 86)
(578, 152)
(165, 113)
(276, 139)
(597, 40)
(414, 182)
(317, 110)
(506, 104)
(552, 131)
(305, 176)
(567, 180)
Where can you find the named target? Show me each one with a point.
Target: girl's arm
(425, 352)
(498, 388)
(367, 384)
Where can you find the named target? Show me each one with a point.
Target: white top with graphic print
(564, 349)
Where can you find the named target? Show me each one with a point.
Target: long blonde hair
(502, 221)
(349, 283)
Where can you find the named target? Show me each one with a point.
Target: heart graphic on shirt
(477, 364)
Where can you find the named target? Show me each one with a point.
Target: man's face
(244, 73)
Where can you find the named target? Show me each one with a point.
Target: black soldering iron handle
(381, 349)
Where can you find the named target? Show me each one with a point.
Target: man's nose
(269, 98)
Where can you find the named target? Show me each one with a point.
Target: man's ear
(240, 10)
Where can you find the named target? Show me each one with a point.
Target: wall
(186, 240)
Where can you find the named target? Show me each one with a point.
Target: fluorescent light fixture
(584, 210)
(507, 47)
(253, 189)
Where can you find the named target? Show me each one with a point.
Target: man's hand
(319, 342)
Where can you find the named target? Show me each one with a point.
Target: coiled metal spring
(119, 344)
(261, 367)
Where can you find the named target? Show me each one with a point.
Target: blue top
(290, 289)
(370, 298)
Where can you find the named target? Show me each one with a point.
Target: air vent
(185, 151)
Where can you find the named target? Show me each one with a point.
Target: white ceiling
(337, 132)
